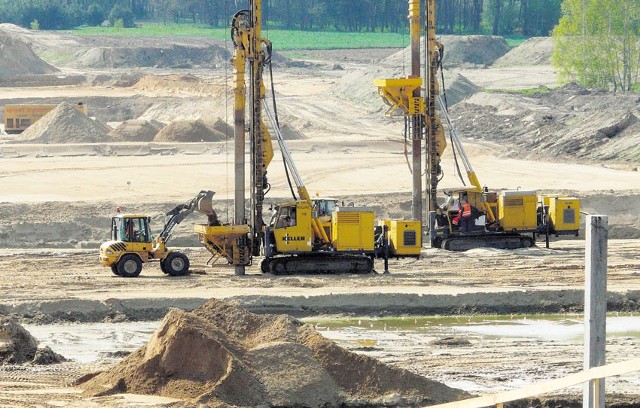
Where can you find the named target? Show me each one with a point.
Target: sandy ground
(348, 152)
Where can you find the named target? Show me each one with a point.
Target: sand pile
(570, 123)
(17, 58)
(534, 51)
(18, 346)
(289, 133)
(460, 50)
(189, 131)
(65, 124)
(223, 127)
(221, 354)
(460, 89)
(165, 56)
(137, 130)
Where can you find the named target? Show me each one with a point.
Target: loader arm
(200, 203)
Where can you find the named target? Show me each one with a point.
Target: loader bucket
(205, 203)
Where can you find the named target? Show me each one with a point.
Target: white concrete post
(595, 305)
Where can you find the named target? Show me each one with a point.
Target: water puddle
(94, 341)
(532, 327)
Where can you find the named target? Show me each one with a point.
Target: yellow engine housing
(404, 237)
(352, 229)
(564, 212)
(517, 210)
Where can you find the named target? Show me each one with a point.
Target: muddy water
(94, 341)
(91, 342)
(532, 327)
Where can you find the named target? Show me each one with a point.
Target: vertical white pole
(595, 306)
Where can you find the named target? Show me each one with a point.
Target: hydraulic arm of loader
(201, 203)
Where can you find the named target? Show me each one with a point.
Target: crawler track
(318, 264)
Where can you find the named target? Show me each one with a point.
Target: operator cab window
(131, 230)
(140, 230)
(286, 217)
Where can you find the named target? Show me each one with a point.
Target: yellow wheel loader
(132, 244)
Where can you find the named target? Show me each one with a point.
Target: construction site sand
(65, 124)
(179, 84)
(17, 58)
(566, 123)
(220, 354)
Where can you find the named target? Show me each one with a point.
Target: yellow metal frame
(398, 94)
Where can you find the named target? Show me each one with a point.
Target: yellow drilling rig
(472, 216)
(304, 235)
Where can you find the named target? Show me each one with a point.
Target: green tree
(598, 43)
(124, 13)
(95, 14)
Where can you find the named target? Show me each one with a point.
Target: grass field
(285, 40)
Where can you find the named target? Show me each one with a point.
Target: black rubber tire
(162, 267)
(114, 270)
(176, 264)
(129, 266)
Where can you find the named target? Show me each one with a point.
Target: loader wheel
(176, 264)
(114, 269)
(129, 266)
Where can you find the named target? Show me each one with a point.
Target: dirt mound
(65, 124)
(189, 131)
(534, 51)
(460, 50)
(179, 84)
(137, 130)
(567, 123)
(460, 89)
(289, 133)
(18, 346)
(173, 56)
(222, 354)
(223, 127)
(17, 58)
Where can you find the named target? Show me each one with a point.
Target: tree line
(499, 17)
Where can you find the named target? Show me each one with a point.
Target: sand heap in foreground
(221, 354)
(65, 124)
